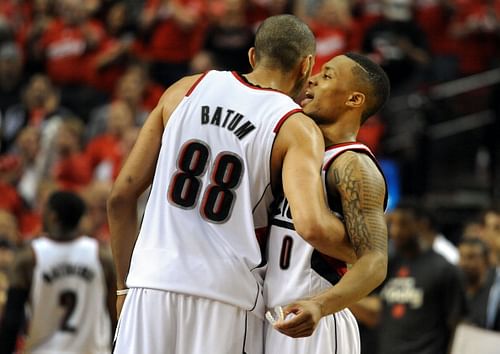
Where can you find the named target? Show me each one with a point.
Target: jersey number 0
(186, 184)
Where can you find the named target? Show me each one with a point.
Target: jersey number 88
(186, 184)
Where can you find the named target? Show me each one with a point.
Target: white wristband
(121, 292)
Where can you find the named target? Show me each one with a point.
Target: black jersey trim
(282, 223)
(247, 83)
(335, 329)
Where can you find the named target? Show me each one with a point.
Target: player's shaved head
(371, 77)
(282, 41)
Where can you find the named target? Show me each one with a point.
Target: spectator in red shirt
(134, 88)
(173, 35)
(332, 26)
(105, 152)
(477, 28)
(435, 18)
(72, 169)
(68, 46)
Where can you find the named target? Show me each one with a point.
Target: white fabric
(473, 340)
(446, 249)
(335, 334)
(161, 322)
(68, 299)
(179, 248)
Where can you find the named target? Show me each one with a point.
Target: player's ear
(306, 66)
(356, 100)
(251, 57)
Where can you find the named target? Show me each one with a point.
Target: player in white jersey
(219, 146)
(66, 280)
(318, 288)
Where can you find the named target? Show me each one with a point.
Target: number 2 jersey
(68, 299)
(295, 269)
(211, 191)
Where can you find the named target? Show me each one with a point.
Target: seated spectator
(137, 90)
(68, 43)
(172, 35)
(39, 108)
(476, 26)
(27, 148)
(332, 26)
(105, 152)
(227, 41)
(11, 75)
(71, 170)
(479, 279)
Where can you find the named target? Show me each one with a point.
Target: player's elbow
(379, 268)
(117, 200)
(308, 229)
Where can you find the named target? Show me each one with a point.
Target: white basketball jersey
(68, 299)
(294, 268)
(211, 191)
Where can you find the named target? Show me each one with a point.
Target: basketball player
(65, 279)
(219, 146)
(349, 89)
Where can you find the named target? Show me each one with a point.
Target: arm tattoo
(362, 192)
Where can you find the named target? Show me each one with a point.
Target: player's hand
(119, 304)
(307, 316)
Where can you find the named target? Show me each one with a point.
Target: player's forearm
(122, 218)
(329, 237)
(364, 276)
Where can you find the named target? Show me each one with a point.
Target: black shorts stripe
(283, 223)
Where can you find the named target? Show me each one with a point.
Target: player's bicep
(301, 173)
(362, 191)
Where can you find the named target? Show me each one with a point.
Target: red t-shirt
(66, 50)
(105, 148)
(73, 172)
(169, 41)
(330, 41)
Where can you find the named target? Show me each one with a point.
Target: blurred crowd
(78, 78)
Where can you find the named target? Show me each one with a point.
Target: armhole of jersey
(190, 91)
(363, 150)
(284, 118)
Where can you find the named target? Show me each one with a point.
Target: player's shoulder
(298, 122)
(354, 159)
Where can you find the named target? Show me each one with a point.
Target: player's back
(68, 299)
(295, 269)
(210, 192)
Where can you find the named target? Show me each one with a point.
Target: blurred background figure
(67, 281)
(227, 40)
(399, 45)
(422, 299)
(480, 278)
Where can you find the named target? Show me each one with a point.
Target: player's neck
(271, 78)
(62, 235)
(342, 131)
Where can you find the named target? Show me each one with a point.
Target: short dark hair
(282, 41)
(371, 74)
(474, 241)
(68, 207)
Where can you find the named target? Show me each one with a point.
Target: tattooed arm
(362, 190)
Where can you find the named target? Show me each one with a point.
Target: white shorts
(335, 334)
(161, 322)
